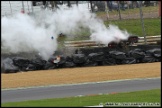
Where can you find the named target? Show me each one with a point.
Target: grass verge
(132, 26)
(146, 96)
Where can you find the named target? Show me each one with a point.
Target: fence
(149, 40)
(138, 18)
(130, 10)
(13, 7)
(89, 43)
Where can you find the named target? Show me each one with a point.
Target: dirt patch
(78, 75)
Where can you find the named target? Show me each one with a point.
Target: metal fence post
(32, 7)
(119, 10)
(23, 9)
(107, 14)
(91, 6)
(28, 7)
(159, 8)
(141, 17)
(10, 7)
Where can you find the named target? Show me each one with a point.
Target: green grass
(150, 96)
(134, 26)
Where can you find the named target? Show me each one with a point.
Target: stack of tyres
(21, 62)
(8, 66)
(50, 63)
(69, 62)
(138, 54)
(37, 64)
(79, 59)
(118, 56)
(109, 60)
(61, 63)
(153, 55)
(94, 58)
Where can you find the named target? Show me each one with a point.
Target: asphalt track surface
(36, 93)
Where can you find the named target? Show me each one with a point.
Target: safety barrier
(90, 43)
(149, 40)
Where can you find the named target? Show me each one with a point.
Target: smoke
(24, 33)
(21, 34)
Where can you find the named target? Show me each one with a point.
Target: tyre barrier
(87, 57)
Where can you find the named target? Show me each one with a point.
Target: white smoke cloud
(23, 33)
(107, 35)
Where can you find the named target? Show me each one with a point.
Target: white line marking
(80, 83)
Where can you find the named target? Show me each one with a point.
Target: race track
(79, 89)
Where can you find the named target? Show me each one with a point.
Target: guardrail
(83, 43)
(149, 40)
(90, 43)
